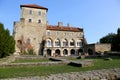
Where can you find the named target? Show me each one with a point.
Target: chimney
(60, 24)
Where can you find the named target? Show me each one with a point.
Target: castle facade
(34, 32)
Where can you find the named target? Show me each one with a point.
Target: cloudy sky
(96, 17)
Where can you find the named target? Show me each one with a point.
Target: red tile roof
(33, 6)
(64, 28)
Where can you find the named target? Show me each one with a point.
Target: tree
(114, 39)
(118, 40)
(108, 38)
(7, 43)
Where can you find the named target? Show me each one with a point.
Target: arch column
(52, 52)
(61, 52)
(68, 52)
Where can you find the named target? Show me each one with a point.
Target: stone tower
(30, 31)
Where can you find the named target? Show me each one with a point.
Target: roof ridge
(76, 29)
(33, 6)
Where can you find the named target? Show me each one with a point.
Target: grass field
(47, 70)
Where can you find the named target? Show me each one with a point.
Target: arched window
(57, 42)
(72, 43)
(49, 43)
(65, 43)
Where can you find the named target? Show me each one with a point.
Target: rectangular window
(39, 13)
(48, 33)
(80, 34)
(30, 12)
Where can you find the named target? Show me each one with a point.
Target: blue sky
(96, 17)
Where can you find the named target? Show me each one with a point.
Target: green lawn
(46, 70)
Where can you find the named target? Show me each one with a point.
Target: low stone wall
(29, 64)
(105, 74)
(54, 61)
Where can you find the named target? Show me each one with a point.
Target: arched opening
(57, 52)
(90, 51)
(72, 51)
(80, 52)
(48, 52)
(65, 52)
(65, 43)
(57, 42)
(49, 43)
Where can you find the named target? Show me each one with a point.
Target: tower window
(39, 13)
(30, 20)
(39, 21)
(30, 12)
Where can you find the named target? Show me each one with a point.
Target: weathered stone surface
(105, 74)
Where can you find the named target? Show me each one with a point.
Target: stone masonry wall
(102, 47)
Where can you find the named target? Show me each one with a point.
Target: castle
(34, 32)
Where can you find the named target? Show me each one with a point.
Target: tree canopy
(7, 43)
(114, 39)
